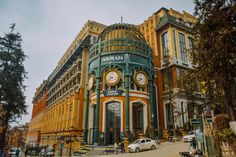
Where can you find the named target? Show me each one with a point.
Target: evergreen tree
(214, 54)
(12, 75)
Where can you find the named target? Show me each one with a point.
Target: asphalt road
(166, 149)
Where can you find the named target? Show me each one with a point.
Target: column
(150, 83)
(98, 77)
(86, 118)
(127, 77)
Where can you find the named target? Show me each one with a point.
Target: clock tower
(120, 98)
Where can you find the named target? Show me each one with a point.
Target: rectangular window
(190, 45)
(175, 50)
(182, 47)
(167, 79)
(165, 43)
(94, 39)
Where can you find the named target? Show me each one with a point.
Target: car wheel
(153, 147)
(137, 150)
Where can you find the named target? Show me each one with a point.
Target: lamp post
(70, 141)
(152, 128)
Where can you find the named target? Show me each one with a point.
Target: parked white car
(12, 152)
(142, 144)
(189, 136)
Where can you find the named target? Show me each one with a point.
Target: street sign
(208, 119)
(62, 145)
(196, 121)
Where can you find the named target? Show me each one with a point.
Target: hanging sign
(112, 58)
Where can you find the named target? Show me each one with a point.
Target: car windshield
(137, 141)
(13, 149)
(190, 133)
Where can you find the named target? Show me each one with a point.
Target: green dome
(121, 30)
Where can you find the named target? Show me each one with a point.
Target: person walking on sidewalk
(122, 146)
(116, 148)
(17, 152)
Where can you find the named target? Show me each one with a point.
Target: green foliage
(221, 122)
(170, 132)
(177, 131)
(147, 133)
(12, 75)
(214, 50)
(227, 134)
(160, 133)
(132, 137)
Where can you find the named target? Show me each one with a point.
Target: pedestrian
(17, 152)
(193, 145)
(5, 152)
(26, 151)
(122, 147)
(116, 148)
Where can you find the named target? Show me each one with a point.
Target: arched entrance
(113, 121)
(137, 117)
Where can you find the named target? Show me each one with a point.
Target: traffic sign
(196, 121)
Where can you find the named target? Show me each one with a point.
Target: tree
(189, 84)
(12, 75)
(169, 84)
(214, 50)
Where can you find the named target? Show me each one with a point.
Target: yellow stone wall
(35, 126)
(65, 108)
(153, 38)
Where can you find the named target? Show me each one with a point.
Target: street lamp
(70, 141)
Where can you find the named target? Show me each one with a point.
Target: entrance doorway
(113, 121)
(169, 116)
(138, 121)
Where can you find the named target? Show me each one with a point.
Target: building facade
(169, 33)
(62, 121)
(16, 137)
(120, 97)
(112, 81)
(35, 125)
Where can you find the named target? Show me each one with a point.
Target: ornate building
(62, 122)
(169, 33)
(120, 97)
(111, 82)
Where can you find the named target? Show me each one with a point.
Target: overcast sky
(49, 26)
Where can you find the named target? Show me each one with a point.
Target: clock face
(90, 82)
(141, 79)
(112, 77)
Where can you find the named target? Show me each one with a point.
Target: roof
(127, 30)
(168, 19)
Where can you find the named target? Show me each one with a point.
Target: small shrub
(221, 121)
(226, 134)
(147, 132)
(160, 133)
